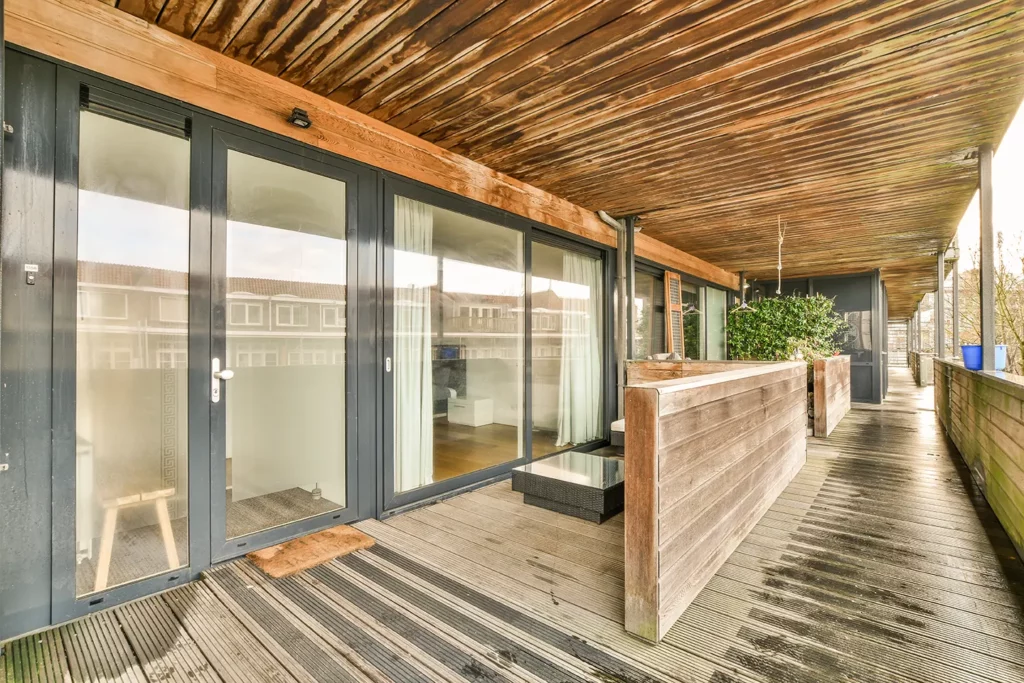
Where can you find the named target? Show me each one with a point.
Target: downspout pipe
(624, 314)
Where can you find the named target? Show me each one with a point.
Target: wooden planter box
(706, 456)
(831, 393)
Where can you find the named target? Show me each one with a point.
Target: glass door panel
(131, 410)
(568, 305)
(693, 322)
(459, 339)
(282, 372)
(716, 320)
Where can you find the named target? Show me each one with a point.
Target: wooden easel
(158, 499)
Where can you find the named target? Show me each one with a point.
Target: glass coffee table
(585, 485)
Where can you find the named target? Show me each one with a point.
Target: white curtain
(579, 391)
(413, 370)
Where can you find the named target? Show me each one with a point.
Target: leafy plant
(778, 327)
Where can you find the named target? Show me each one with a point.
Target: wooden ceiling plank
(606, 42)
(664, 99)
(553, 27)
(223, 22)
(670, 117)
(823, 113)
(653, 83)
(346, 84)
(671, 224)
(788, 168)
(148, 10)
(376, 86)
(309, 27)
(265, 25)
(379, 46)
(363, 21)
(183, 16)
(662, 45)
(784, 171)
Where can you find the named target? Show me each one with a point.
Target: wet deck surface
(879, 563)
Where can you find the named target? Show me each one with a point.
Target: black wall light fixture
(300, 118)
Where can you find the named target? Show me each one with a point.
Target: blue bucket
(972, 356)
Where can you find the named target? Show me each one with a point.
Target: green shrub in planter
(780, 326)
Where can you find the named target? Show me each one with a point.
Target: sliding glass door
(568, 348)
(456, 333)
(464, 398)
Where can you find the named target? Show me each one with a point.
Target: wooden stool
(159, 501)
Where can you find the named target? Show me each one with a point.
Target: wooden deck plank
(408, 630)
(232, 651)
(165, 650)
(98, 651)
(39, 658)
(530, 608)
(279, 629)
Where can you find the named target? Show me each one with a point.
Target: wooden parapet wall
(831, 393)
(983, 413)
(707, 456)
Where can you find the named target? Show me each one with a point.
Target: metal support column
(988, 259)
(954, 330)
(630, 228)
(917, 329)
(940, 305)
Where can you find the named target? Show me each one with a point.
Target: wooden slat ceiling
(856, 121)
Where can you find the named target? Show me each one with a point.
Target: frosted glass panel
(131, 417)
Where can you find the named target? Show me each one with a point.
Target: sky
(1007, 198)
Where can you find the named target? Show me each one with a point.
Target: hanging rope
(782, 236)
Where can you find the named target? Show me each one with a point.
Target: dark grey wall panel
(27, 238)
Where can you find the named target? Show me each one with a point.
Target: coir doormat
(309, 551)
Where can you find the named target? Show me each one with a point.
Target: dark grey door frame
(141, 110)
(25, 371)
(390, 501)
(230, 137)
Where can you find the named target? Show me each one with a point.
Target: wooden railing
(706, 457)
(831, 393)
(983, 413)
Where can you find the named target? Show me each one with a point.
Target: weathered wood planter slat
(706, 456)
(831, 393)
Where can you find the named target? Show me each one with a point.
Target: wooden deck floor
(879, 563)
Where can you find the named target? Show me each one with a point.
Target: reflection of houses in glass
(488, 326)
(142, 315)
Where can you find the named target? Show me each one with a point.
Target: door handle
(218, 377)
